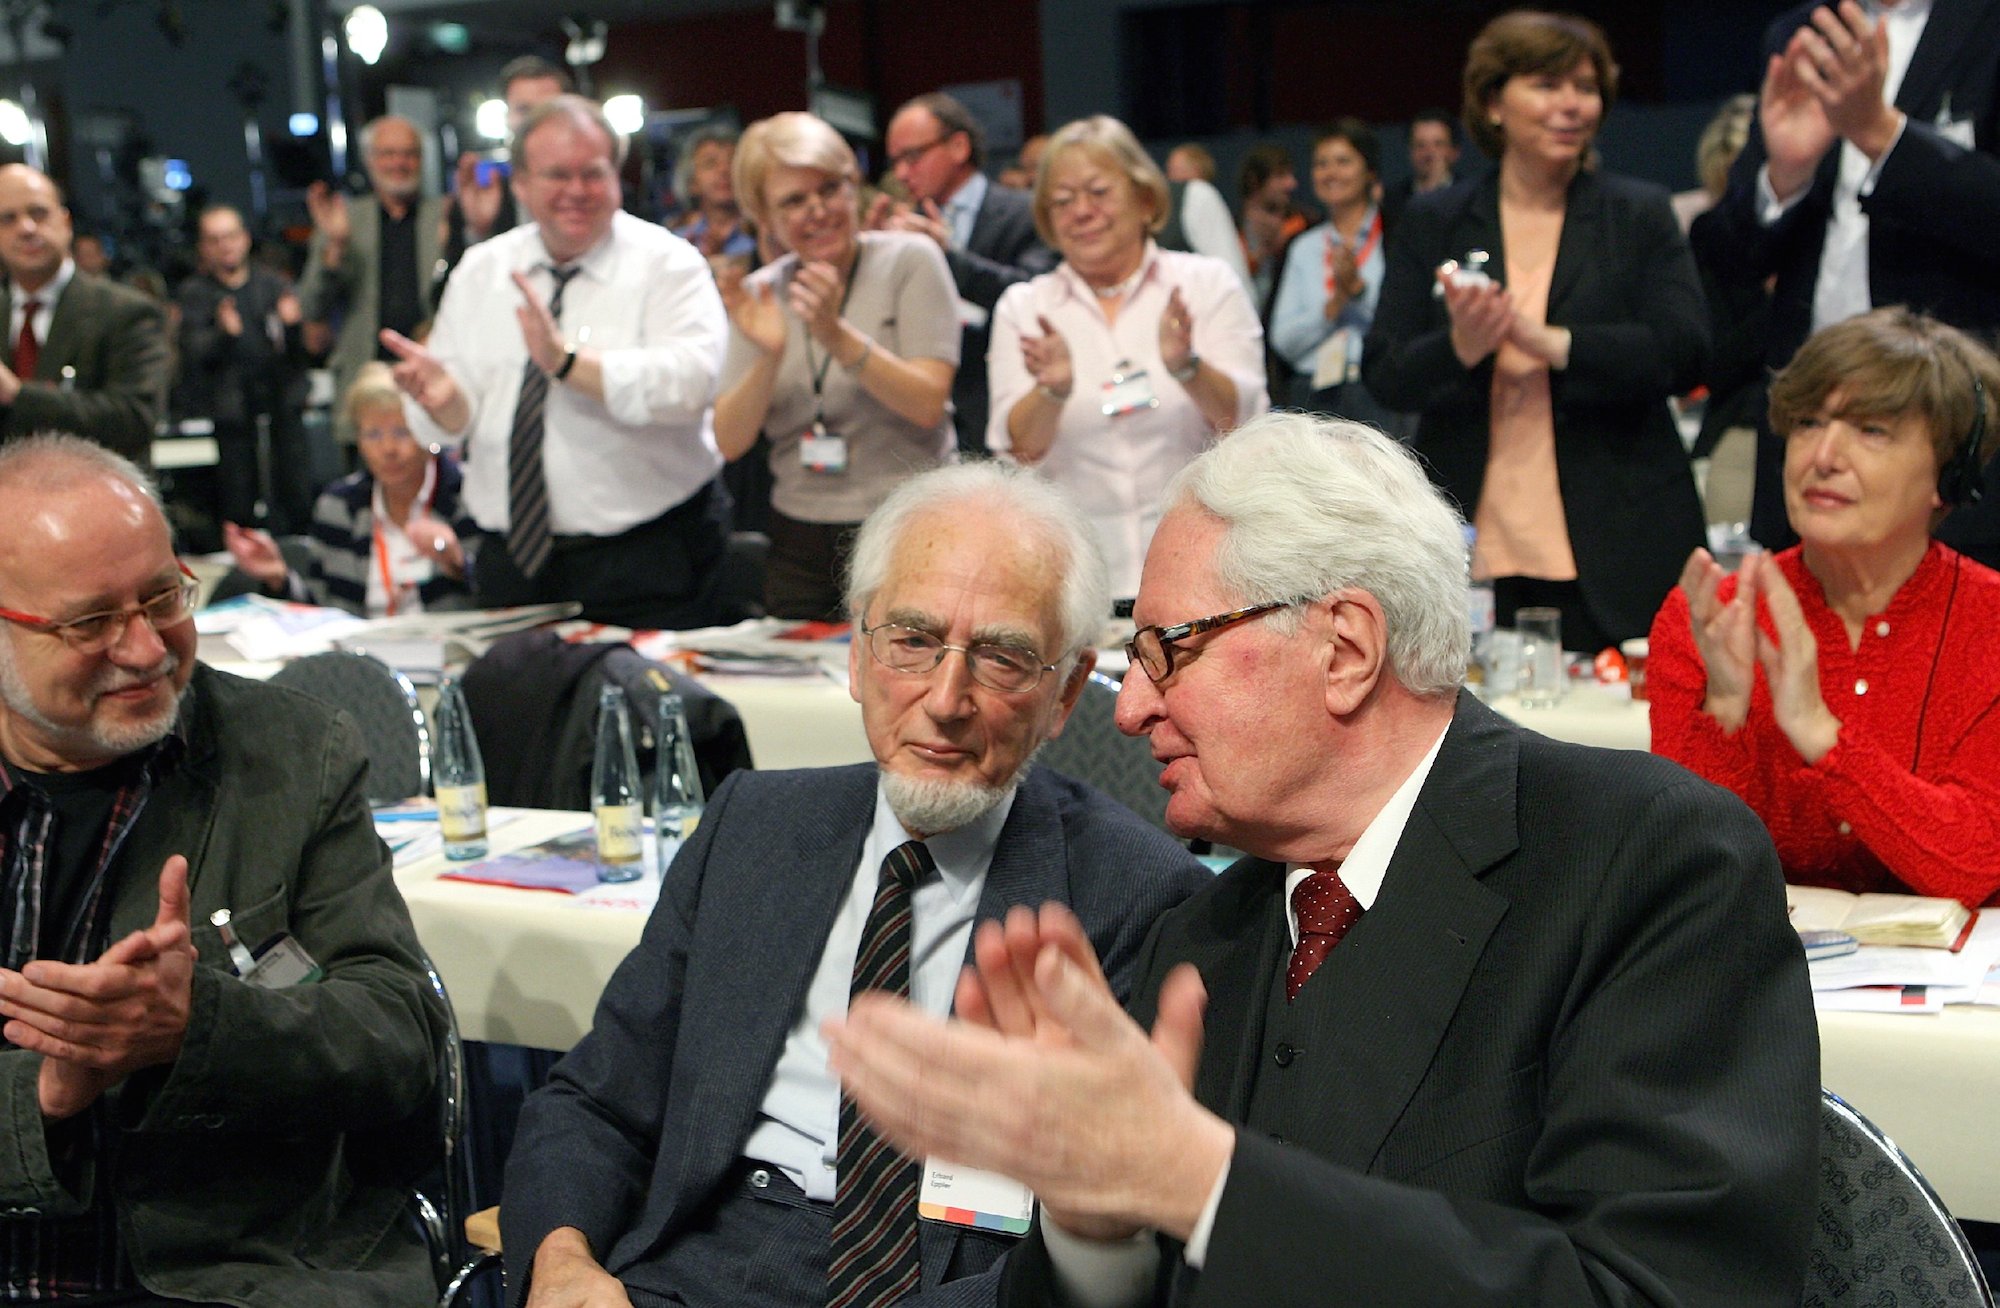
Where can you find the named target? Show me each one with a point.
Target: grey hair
(50, 461)
(1314, 505)
(578, 111)
(1037, 506)
(712, 134)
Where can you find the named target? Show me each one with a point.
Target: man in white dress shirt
(576, 358)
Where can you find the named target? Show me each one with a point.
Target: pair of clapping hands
(1047, 358)
(1483, 318)
(1043, 1077)
(94, 1024)
(1732, 646)
(813, 294)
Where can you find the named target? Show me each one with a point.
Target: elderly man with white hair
(1489, 1019)
(694, 1148)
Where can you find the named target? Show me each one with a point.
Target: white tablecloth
(526, 967)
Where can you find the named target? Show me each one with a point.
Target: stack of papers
(1912, 978)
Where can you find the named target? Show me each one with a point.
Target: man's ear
(1356, 644)
(1072, 691)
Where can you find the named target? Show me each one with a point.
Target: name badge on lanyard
(1128, 391)
(821, 451)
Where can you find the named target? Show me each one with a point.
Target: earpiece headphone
(1962, 481)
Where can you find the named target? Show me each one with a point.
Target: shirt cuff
(1769, 207)
(1195, 1253)
(1103, 1273)
(1875, 169)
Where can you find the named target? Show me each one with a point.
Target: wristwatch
(569, 361)
(1185, 373)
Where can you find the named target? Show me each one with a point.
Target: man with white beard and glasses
(181, 1121)
(694, 1147)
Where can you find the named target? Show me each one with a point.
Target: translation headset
(1962, 480)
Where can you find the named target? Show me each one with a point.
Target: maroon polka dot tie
(1325, 909)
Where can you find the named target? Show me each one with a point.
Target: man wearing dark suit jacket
(1490, 1019)
(91, 358)
(692, 1148)
(1872, 177)
(936, 150)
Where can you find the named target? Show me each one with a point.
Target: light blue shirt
(799, 1126)
(1298, 316)
(961, 211)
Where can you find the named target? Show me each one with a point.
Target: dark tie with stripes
(528, 537)
(874, 1245)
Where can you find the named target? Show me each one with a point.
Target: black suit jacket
(114, 342)
(648, 1115)
(1934, 206)
(1625, 285)
(1568, 1057)
(1002, 250)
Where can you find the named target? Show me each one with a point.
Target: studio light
(367, 33)
(15, 129)
(626, 114)
(490, 119)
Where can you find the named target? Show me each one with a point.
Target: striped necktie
(874, 1245)
(528, 537)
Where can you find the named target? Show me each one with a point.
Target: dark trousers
(1580, 630)
(658, 575)
(805, 566)
(760, 1242)
(240, 470)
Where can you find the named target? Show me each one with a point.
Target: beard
(929, 807)
(92, 739)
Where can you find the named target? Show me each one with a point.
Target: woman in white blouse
(1114, 370)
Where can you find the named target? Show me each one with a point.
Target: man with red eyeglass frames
(159, 820)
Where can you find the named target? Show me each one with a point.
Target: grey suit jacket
(350, 295)
(270, 1164)
(1567, 1058)
(1003, 249)
(113, 341)
(645, 1119)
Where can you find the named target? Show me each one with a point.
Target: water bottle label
(462, 811)
(619, 832)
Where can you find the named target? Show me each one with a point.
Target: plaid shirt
(65, 1257)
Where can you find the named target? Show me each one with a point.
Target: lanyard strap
(818, 371)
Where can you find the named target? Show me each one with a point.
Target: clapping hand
(539, 329)
(754, 309)
(257, 554)
(96, 1023)
(328, 208)
(1052, 1084)
(438, 542)
(1482, 315)
(814, 294)
(1791, 670)
(1047, 357)
(1725, 634)
(228, 317)
(1176, 332)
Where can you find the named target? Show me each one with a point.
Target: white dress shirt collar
(1368, 862)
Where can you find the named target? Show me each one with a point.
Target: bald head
(34, 226)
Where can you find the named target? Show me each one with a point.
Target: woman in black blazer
(1578, 480)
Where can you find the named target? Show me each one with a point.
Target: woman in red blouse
(1857, 708)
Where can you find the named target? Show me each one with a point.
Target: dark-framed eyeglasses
(93, 633)
(1005, 668)
(1152, 648)
(905, 158)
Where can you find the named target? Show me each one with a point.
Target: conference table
(526, 967)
